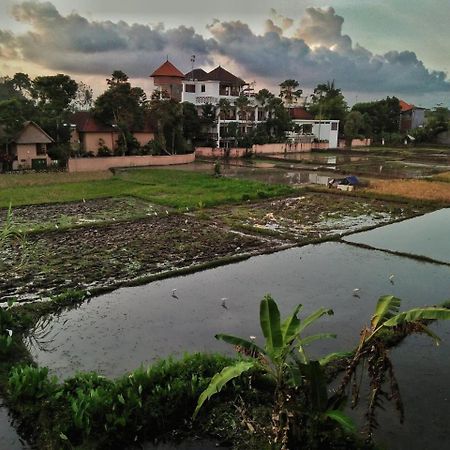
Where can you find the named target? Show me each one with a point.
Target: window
(41, 149)
(333, 126)
(203, 88)
(189, 88)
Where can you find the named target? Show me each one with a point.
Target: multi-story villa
(200, 88)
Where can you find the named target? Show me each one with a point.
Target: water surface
(427, 235)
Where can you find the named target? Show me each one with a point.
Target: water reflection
(426, 236)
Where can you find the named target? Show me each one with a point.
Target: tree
(384, 115)
(263, 97)
(84, 98)
(328, 102)
(355, 126)
(289, 91)
(244, 107)
(225, 108)
(168, 115)
(54, 92)
(192, 126)
(121, 105)
(279, 121)
(13, 113)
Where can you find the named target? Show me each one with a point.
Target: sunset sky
(370, 48)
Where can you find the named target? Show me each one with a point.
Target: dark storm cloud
(315, 51)
(73, 43)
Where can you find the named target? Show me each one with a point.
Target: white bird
(174, 295)
(356, 292)
(391, 278)
(224, 304)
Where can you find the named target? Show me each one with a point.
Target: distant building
(306, 126)
(89, 135)
(411, 116)
(28, 149)
(200, 87)
(168, 78)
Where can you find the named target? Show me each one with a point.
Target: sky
(369, 48)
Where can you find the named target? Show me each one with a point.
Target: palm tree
(263, 98)
(289, 91)
(244, 106)
(224, 108)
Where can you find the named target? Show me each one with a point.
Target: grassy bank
(176, 189)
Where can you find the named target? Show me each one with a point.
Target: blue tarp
(351, 180)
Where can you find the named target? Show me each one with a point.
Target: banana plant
(372, 349)
(284, 359)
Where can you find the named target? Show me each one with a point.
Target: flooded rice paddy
(426, 235)
(117, 332)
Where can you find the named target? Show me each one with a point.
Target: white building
(200, 87)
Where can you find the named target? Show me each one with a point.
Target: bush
(30, 384)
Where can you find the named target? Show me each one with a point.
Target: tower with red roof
(168, 78)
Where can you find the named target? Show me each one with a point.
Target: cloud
(323, 28)
(74, 44)
(319, 51)
(312, 51)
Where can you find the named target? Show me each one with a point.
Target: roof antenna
(192, 65)
(167, 57)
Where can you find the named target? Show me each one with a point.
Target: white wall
(322, 131)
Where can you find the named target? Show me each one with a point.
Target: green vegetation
(302, 408)
(173, 188)
(281, 402)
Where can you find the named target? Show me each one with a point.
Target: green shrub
(30, 384)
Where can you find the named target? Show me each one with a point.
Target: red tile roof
(167, 70)
(86, 123)
(300, 113)
(405, 106)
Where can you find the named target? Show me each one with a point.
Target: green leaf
(290, 325)
(270, 324)
(234, 340)
(315, 337)
(386, 308)
(342, 419)
(121, 399)
(63, 437)
(313, 317)
(333, 356)
(416, 314)
(219, 380)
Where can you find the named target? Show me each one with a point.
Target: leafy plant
(29, 383)
(302, 408)
(372, 351)
(284, 361)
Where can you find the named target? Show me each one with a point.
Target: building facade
(200, 88)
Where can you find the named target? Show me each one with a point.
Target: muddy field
(313, 215)
(64, 215)
(108, 253)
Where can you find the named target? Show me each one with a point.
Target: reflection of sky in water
(426, 235)
(117, 332)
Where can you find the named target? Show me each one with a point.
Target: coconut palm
(289, 91)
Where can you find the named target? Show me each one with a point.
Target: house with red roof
(200, 87)
(411, 116)
(89, 135)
